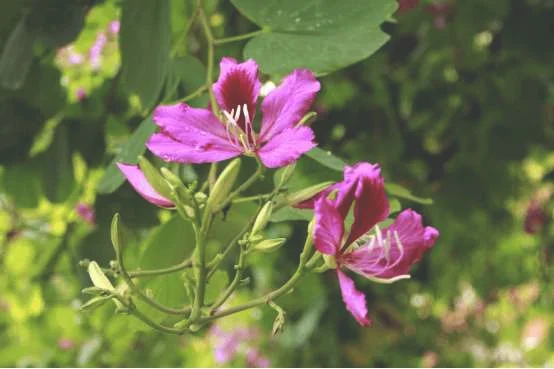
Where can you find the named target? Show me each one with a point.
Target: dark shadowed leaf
(145, 45)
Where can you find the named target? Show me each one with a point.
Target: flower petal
(287, 104)
(238, 84)
(328, 227)
(389, 261)
(139, 182)
(353, 299)
(190, 151)
(287, 147)
(364, 183)
(183, 123)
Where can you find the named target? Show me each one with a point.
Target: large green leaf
(129, 154)
(323, 35)
(168, 245)
(145, 42)
(57, 177)
(327, 159)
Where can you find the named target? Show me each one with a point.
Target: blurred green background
(458, 106)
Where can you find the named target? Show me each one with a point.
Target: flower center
(239, 137)
(388, 244)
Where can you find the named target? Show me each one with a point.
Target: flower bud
(223, 186)
(278, 324)
(95, 291)
(262, 218)
(306, 193)
(285, 174)
(98, 277)
(269, 245)
(179, 193)
(94, 303)
(154, 177)
(116, 234)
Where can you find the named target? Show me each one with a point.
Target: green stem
(210, 39)
(201, 235)
(195, 93)
(187, 31)
(146, 320)
(221, 41)
(284, 289)
(137, 291)
(234, 283)
(266, 196)
(155, 272)
(229, 247)
(257, 174)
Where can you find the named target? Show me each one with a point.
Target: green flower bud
(306, 193)
(98, 277)
(223, 186)
(154, 178)
(262, 218)
(278, 324)
(94, 303)
(95, 291)
(116, 234)
(285, 174)
(179, 193)
(269, 245)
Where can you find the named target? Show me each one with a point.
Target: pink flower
(139, 182)
(81, 94)
(535, 218)
(384, 255)
(407, 5)
(65, 344)
(192, 135)
(114, 27)
(85, 212)
(95, 52)
(439, 11)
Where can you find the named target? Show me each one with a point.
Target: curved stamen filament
(235, 134)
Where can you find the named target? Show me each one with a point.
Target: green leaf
(168, 245)
(186, 75)
(403, 193)
(129, 154)
(57, 177)
(327, 159)
(16, 57)
(145, 42)
(322, 35)
(289, 213)
(216, 285)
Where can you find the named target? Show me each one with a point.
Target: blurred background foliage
(457, 106)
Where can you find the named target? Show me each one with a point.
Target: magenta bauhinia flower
(382, 255)
(196, 135)
(138, 180)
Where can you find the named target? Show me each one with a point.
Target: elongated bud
(116, 234)
(262, 218)
(98, 277)
(179, 193)
(154, 177)
(306, 193)
(94, 291)
(269, 245)
(285, 174)
(94, 303)
(278, 324)
(223, 185)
